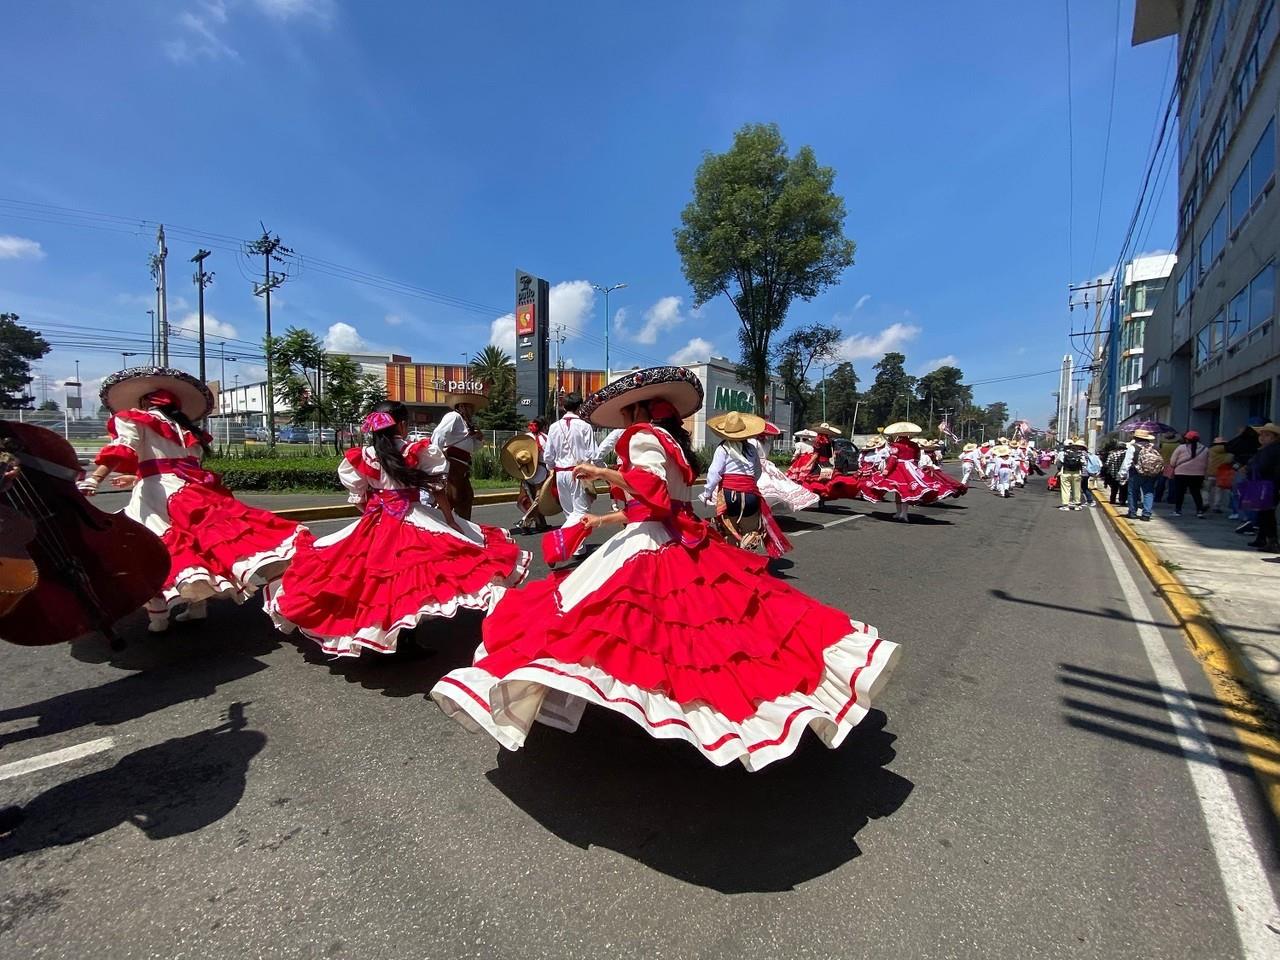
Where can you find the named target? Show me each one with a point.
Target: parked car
(225, 431)
(292, 434)
(844, 455)
(260, 434)
(322, 435)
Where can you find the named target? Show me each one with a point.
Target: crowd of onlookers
(1237, 476)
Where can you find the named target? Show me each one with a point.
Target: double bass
(93, 567)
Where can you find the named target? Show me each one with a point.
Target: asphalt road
(1022, 789)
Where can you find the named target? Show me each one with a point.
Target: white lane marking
(21, 767)
(1253, 906)
(855, 516)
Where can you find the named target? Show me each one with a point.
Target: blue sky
(442, 145)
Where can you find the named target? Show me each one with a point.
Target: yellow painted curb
(1228, 674)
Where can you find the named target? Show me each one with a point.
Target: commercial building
(1123, 346)
(1212, 348)
(723, 391)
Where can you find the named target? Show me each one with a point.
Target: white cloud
(950, 360)
(288, 9)
(863, 346)
(393, 319)
(19, 248)
(620, 321)
(344, 338)
(862, 301)
(696, 350)
(213, 327)
(200, 38)
(502, 333)
(570, 306)
(662, 316)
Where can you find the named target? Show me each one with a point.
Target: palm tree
(492, 366)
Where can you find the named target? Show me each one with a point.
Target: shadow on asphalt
(660, 803)
(1106, 613)
(423, 655)
(172, 788)
(188, 663)
(917, 519)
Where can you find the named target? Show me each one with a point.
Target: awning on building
(1154, 19)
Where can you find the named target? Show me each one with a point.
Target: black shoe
(1247, 527)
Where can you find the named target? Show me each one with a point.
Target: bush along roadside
(290, 474)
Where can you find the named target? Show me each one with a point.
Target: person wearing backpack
(1114, 473)
(1071, 463)
(1146, 467)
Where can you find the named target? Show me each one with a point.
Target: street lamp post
(606, 291)
(824, 367)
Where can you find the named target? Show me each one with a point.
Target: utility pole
(271, 250)
(164, 299)
(155, 340)
(1098, 302)
(201, 280)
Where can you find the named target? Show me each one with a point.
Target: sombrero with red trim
(678, 386)
(125, 390)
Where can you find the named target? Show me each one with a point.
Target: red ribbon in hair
(161, 398)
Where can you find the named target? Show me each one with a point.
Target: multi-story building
(1213, 351)
(1122, 360)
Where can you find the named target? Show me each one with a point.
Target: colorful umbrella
(1155, 426)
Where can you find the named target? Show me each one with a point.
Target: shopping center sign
(532, 344)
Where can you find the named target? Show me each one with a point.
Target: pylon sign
(533, 339)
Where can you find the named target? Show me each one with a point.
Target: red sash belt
(396, 502)
(776, 542)
(187, 469)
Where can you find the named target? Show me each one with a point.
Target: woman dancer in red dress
(816, 471)
(902, 477)
(220, 547)
(666, 623)
(403, 560)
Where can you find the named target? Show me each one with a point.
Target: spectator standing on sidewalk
(1222, 474)
(1071, 464)
(1115, 473)
(1243, 446)
(1092, 468)
(1265, 466)
(1164, 483)
(1145, 468)
(1190, 463)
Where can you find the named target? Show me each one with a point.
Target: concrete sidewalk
(1238, 587)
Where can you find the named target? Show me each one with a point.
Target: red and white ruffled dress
(936, 475)
(806, 470)
(903, 475)
(670, 626)
(218, 546)
(398, 564)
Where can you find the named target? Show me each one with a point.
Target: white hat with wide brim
(125, 390)
(678, 386)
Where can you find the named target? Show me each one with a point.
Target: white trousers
(965, 472)
(574, 499)
(1003, 476)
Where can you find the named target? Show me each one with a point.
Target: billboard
(533, 351)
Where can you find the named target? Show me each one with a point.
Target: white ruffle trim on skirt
(856, 669)
(193, 584)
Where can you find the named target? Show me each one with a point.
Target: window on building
(1240, 198)
(1218, 332)
(1238, 314)
(1262, 163)
(1203, 352)
(1262, 296)
(1190, 124)
(1131, 371)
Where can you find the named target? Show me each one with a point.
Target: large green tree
(493, 366)
(889, 398)
(19, 347)
(842, 396)
(329, 389)
(795, 355)
(764, 229)
(941, 390)
(994, 418)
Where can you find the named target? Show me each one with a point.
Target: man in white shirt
(457, 438)
(570, 442)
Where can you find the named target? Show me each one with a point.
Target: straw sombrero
(875, 443)
(902, 427)
(680, 387)
(930, 444)
(737, 426)
(1002, 450)
(519, 457)
(969, 448)
(1143, 435)
(548, 498)
(804, 435)
(828, 429)
(125, 389)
